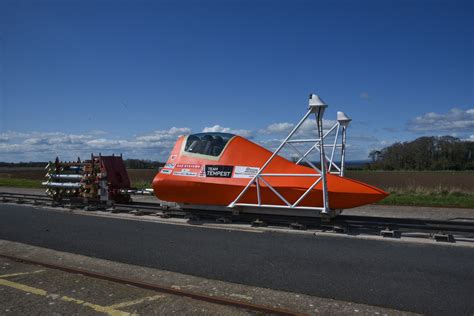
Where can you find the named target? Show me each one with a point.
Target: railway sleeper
(391, 233)
(36, 202)
(90, 208)
(297, 226)
(441, 237)
(137, 212)
(339, 229)
(259, 223)
(192, 218)
(223, 220)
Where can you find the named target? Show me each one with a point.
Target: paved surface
(423, 212)
(432, 279)
(29, 289)
(143, 302)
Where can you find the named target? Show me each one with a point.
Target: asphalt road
(431, 279)
(32, 290)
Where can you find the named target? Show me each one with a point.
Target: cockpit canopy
(209, 144)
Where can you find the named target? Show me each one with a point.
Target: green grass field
(429, 197)
(20, 183)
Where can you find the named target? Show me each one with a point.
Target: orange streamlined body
(213, 168)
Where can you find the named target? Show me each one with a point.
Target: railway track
(385, 226)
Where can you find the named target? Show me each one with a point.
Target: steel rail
(38, 197)
(159, 288)
(408, 223)
(348, 221)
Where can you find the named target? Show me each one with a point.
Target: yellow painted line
(19, 273)
(24, 288)
(98, 308)
(137, 301)
(28, 289)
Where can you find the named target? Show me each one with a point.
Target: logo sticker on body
(188, 166)
(218, 171)
(245, 172)
(185, 172)
(170, 165)
(166, 171)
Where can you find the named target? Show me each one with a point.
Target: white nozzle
(315, 100)
(343, 119)
(316, 105)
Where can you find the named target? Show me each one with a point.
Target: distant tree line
(425, 153)
(129, 164)
(32, 164)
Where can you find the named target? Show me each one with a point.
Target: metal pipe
(259, 200)
(306, 193)
(334, 147)
(281, 206)
(290, 174)
(343, 150)
(65, 185)
(309, 162)
(308, 140)
(275, 191)
(65, 176)
(312, 147)
(322, 155)
(327, 158)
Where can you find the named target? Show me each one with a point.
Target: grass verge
(141, 184)
(419, 196)
(20, 183)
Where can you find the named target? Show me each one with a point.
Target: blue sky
(131, 76)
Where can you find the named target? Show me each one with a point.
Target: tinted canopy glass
(210, 144)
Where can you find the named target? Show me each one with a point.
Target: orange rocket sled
(212, 169)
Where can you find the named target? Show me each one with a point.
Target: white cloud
(277, 128)
(164, 135)
(306, 129)
(220, 129)
(45, 146)
(456, 120)
(156, 145)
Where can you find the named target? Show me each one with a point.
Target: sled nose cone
(348, 193)
(367, 194)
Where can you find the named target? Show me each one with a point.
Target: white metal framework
(327, 164)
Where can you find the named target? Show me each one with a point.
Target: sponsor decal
(216, 171)
(169, 165)
(245, 172)
(185, 172)
(166, 171)
(188, 166)
(202, 172)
